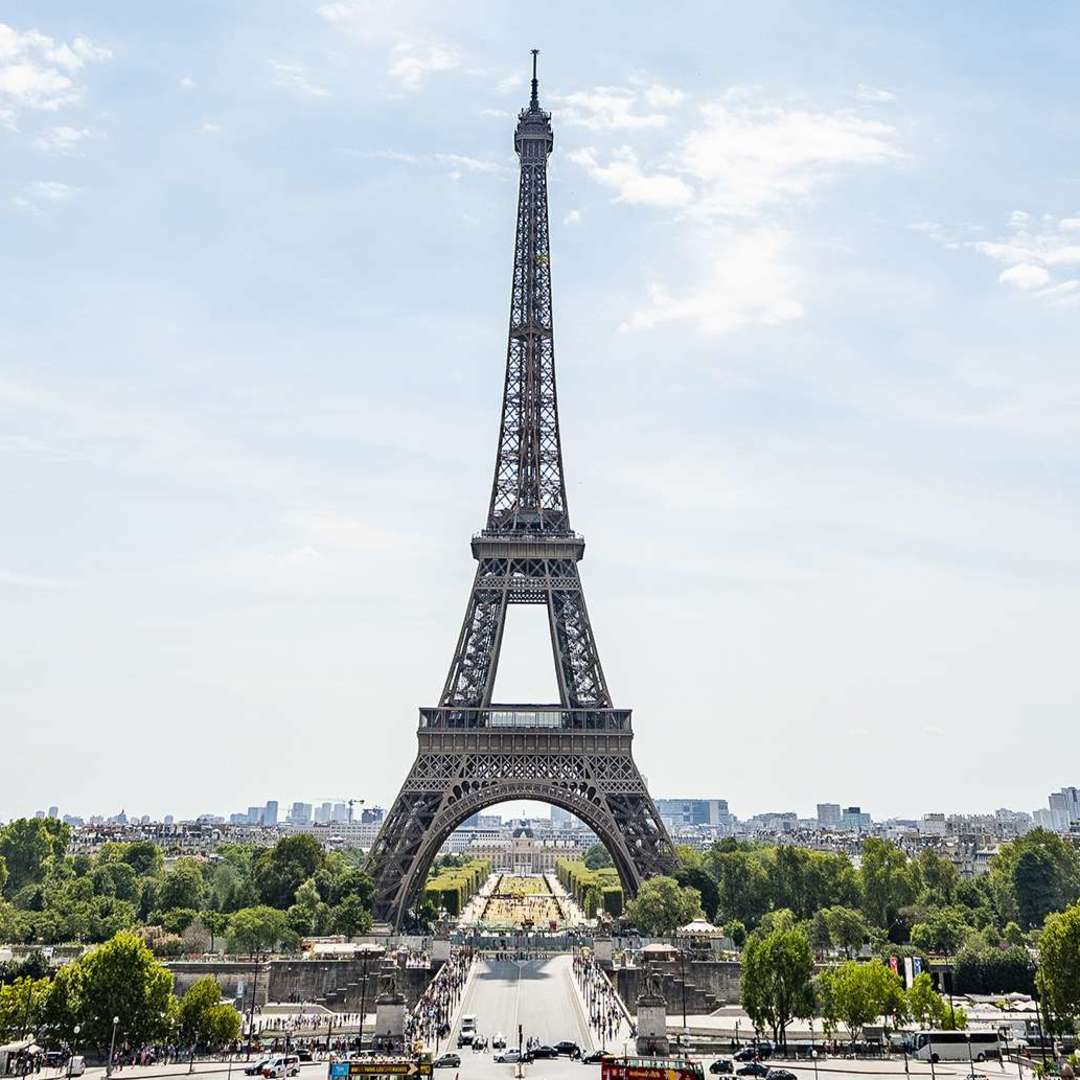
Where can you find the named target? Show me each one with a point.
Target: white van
(280, 1067)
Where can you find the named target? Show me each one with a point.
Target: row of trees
(121, 979)
(269, 895)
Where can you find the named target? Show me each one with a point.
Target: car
(570, 1049)
(281, 1067)
(752, 1068)
(257, 1068)
(508, 1057)
(597, 1056)
(447, 1061)
(542, 1051)
(305, 1055)
(781, 1074)
(747, 1053)
(498, 1041)
(722, 1065)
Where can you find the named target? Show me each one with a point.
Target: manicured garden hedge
(451, 888)
(578, 878)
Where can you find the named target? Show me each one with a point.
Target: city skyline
(817, 312)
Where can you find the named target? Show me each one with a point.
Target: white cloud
(611, 108)
(1031, 250)
(186, 83)
(38, 195)
(62, 139)
(658, 96)
(623, 173)
(208, 127)
(1025, 276)
(751, 283)
(412, 63)
(293, 77)
(746, 155)
(37, 72)
(511, 82)
(457, 164)
(572, 218)
(874, 95)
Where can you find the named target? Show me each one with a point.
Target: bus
(630, 1068)
(938, 1046)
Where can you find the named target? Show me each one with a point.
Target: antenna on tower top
(534, 101)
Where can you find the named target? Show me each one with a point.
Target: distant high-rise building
(39, 815)
(240, 819)
(300, 813)
(1064, 808)
(168, 819)
(561, 817)
(324, 813)
(270, 813)
(680, 812)
(828, 815)
(853, 817)
(340, 813)
(932, 825)
(54, 812)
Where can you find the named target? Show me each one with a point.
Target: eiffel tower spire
(528, 493)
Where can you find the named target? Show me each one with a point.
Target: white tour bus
(953, 1045)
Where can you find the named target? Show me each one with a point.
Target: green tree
(888, 883)
(183, 886)
(924, 1004)
(22, 1006)
(351, 917)
(939, 877)
(119, 979)
(737, 932)
(1059, 961)
(203, 1021)
(1034, 875)
(820, 939)
(847, 928)
(597, 856)
(281, 870)
(3, 874)
(943, 931)
(216, 922)
(741, 881)
(26, 848)
(662, 905)
(863, 993)
(776, 972)
(255, 929)
(980, 968)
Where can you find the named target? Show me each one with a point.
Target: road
(540, 995)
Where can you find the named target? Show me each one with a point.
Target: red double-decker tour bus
(628, 1068)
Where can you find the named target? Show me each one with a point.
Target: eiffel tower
(474, 753)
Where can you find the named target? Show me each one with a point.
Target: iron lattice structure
(473, 753)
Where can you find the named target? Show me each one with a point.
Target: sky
(816, 274)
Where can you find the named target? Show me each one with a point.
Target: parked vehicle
(570, 1049)
(281, 1067)
(597, 1057)
(257, 1068)
(722, 1065)
(938, 1046)
(752, 1068)
(447, 1061)
(504, 1057)
(538, 1052)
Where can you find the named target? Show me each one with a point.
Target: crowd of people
(430, 1019)
(605, 1011)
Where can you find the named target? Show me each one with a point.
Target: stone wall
(717, 979)
(337, 984)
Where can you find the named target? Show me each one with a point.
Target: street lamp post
(251, 1009)
(112, 1046)
(971, 1060)
(74, 1046)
